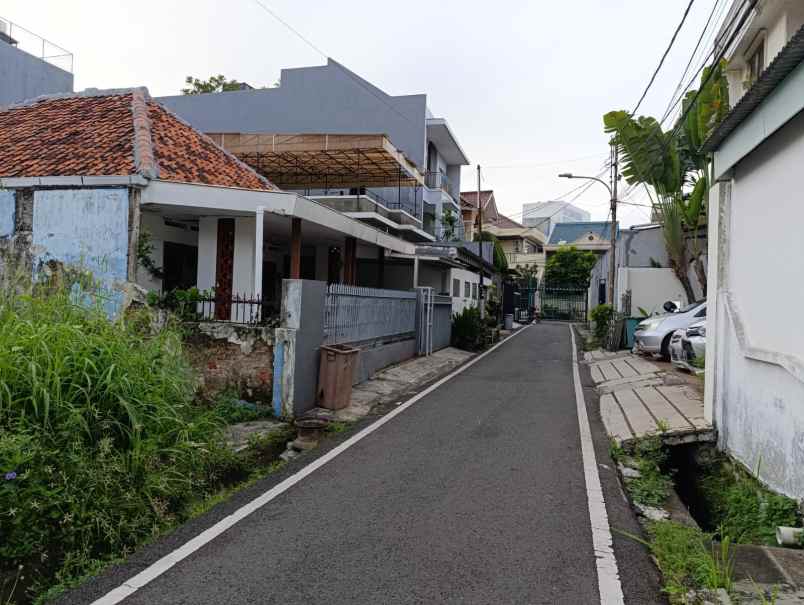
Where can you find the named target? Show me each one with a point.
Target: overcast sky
(523, 83)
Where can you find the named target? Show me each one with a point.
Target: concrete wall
(23, 76)
(297, 343)
(323, 99)
(86, 228)
(755, 354)
(650, 288)
(378, 355)
(637, 249)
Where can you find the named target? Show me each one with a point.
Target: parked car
(687, 345)
(652, 335)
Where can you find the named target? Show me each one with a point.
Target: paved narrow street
(475, 494)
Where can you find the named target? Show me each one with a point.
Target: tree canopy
(672, 165)
(569, 267)
(217, 83)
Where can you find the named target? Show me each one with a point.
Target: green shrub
(468, 329)
(602, 315)
(101, 446)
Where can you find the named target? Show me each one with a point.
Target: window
(756, 63)
(474, 291)
(467, 290)
(517, 246)
(456, 288)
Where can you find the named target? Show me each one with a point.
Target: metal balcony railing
(33, 44)
(437, 180)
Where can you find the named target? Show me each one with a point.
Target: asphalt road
(475, 494)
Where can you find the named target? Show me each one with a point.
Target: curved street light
(613, 236)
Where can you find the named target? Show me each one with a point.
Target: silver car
(687, 345)
(652, 335)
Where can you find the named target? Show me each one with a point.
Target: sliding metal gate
(568, 304)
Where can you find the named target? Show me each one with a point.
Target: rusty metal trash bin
(335, 374)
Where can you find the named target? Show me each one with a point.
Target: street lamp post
(613, 237)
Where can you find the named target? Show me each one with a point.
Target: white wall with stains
(87, 229)
(755, 349)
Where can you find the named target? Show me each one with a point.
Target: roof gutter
(26, 182)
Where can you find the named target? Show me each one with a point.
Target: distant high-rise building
(545, 215)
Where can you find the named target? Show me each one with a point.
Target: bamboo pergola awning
(323, 161)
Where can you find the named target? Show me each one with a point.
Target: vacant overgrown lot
(101, 444)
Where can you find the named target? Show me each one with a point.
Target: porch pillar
(380, 267)
(415, 272)
(258, 249)
(295, 249)
(350, 262)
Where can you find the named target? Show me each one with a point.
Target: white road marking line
(608, 576)
(155, 570)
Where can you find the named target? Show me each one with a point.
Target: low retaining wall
(374, 357)
(229, 356)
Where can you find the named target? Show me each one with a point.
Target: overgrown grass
(689, 560)
(101, 446)
(739, 504)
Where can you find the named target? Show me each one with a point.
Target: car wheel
(665, 350)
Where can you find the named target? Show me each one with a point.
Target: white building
(755, 349)
(545, 215)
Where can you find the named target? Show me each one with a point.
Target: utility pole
(480, 246)
(615, 156)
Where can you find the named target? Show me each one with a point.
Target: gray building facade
(331, 99)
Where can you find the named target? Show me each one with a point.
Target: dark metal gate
(568, 304)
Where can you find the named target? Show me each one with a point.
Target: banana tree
(674, 167)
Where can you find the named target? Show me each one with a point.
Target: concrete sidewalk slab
(638, 398)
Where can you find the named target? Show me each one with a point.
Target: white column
(415, 271)
(258, 247)
(207, 252)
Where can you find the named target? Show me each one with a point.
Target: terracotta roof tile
(112, 134)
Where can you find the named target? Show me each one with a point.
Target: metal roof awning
(323, 161)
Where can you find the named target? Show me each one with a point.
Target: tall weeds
(100, 443)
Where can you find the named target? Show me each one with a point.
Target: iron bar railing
(357, 314)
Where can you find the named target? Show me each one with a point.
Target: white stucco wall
(755, 354)
(650, 288)
(459, 303)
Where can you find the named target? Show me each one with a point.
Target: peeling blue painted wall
(6, 213)
(86, 228)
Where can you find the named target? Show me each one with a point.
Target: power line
(694, 51)
(291, 28)
(325, 56)
(664, 56)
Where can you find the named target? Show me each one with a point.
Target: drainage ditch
(724, 499)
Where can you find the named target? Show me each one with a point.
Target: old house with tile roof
(84, 176)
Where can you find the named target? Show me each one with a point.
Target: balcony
(524, 258)
(27, 41)
(437, 180)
